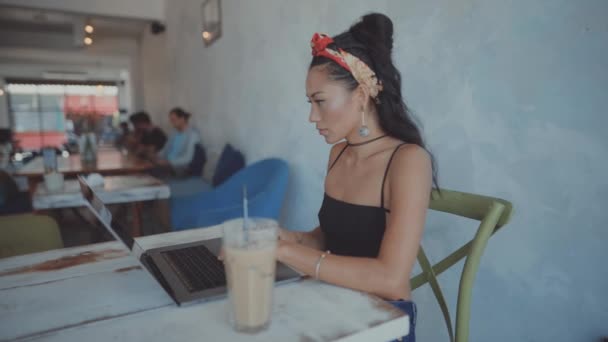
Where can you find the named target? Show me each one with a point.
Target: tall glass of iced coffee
(249, 259)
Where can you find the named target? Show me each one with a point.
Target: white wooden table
(116, 189)
(100, 293)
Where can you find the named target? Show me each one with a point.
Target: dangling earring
(363, 130)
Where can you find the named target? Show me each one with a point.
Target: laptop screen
(104, 215)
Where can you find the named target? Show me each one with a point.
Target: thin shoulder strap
(338, 157)
(386, 174)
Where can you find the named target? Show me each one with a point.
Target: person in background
(124, 136)
(179, 150)
(6, 148)
(148, 138)
(12, 201)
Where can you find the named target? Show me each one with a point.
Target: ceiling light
(89, 28)
(88, 40)
(206, 35)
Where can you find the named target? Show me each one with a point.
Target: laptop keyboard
(197, 268)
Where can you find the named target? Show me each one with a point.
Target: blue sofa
(266, 182)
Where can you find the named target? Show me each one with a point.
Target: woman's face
(177, 122)
(334, 109)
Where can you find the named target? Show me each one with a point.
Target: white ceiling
(146, 10)
(34, 19)
(39, 28)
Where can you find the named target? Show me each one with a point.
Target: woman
(379, 179)
(179, 150)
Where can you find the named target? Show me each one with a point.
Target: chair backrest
(195, 168)
(493, 213)
(266, 182)
(260, 177)
(28, 233)
(230, 162)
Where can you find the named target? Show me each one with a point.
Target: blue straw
(245, 214)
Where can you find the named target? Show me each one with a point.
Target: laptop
(188, 272)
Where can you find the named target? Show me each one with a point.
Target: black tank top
(354, 229)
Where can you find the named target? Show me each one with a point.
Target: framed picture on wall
(211, 13)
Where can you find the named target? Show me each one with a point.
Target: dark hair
(140, 117)
(180, 113)
(371, 40)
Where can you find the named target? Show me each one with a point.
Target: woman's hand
(283, 247)
(290, 236)
(285, 238)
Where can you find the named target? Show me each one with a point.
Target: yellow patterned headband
(360, 71)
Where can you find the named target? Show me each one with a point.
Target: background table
(116, 189)
(110, 161)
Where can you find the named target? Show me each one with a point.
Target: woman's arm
(410, 181)
(162, 154)
(187, 151)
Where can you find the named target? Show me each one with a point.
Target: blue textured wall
(512, 97)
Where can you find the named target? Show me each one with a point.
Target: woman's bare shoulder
(411, 159)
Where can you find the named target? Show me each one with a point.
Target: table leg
(137, 208)
(164, 214)
(32, 182)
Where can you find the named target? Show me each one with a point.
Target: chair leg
(425, 264)
(465, 290)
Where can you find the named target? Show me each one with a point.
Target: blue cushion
(230, 162)
(195, 168)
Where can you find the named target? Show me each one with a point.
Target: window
(45, 114)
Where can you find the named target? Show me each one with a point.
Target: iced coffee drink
(249, 259)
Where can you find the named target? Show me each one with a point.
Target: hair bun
(180, 112)
(374, 29)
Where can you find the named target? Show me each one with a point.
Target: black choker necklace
(367, 142)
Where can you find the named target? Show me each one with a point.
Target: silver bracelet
(318, 266)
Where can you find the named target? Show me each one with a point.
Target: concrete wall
(155, 86)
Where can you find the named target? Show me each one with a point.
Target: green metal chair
(493, 213)
(28, 233)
